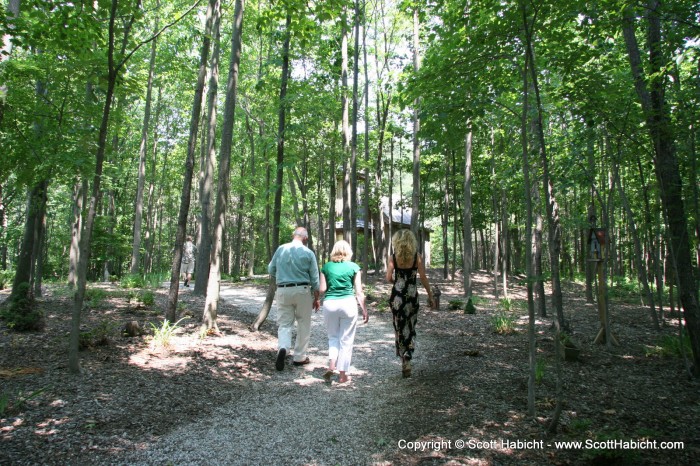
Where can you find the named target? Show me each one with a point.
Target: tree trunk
(3, 232)
(171, 310)
(415, 203)
(281, 127)
(86, 238)
(639, 255)
(529, 272)
(553, 220)
(467, 217)
(446, 223)
(365, 200)
(201, 279)
(79, 200)
(141, 182)
(355, 112)
(347, 235)
(496, 230)
(25, 261)
(39, 244)
(666, 164)
(222, 197)
(504, 242)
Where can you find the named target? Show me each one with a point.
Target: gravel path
(294, 417)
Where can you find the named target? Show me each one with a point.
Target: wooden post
(597, 242)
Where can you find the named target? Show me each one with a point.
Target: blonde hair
(405, 245)
(341, 251)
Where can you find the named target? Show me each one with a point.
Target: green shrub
(101, 335)
(455, 304)
(21, 313)
(154, 280)
(669, 346)
(540, 367)
(503, 324)
(148, 298)
(469, 308)
(6, 278)
(95, 296)
(506, 304)
(133, 280)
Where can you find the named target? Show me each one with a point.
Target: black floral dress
(404, 307)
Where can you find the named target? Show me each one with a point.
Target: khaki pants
(294, 304)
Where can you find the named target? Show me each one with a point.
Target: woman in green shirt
(341, 282)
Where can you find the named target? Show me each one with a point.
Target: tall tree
(415, 200)
(279, 180)
(171, 311)
(116, 59)
(141, 176)
(213, 285)
(209, 160)
(656, 114)
(552, 207)
(467, 216)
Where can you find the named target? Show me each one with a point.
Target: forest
(551, 140)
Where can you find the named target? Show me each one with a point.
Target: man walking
(187, 266)
(295, 270)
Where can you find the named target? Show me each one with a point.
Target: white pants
(340, 316)
(294, 304)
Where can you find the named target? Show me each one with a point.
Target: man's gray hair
(301, 232)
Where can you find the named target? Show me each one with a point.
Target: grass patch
(14, 405)
(503, 324)
(669, 346)
(162, 335)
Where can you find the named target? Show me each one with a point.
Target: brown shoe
(301, 363)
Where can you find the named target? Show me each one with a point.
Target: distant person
(295, 270)
(404, 265)
(187, 266)
(341, 281)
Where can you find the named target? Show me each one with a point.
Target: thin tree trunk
(3, 231)
(529, 272)
(497, 229)
(347, 185)
(222, 196)
(366, 243)
(138, 215)
(639, 255)
(467, 216)
(504, 242)
(553, 220)
(171, 310)
(446, 223)
(281, 127)
(415, 203)
(201, 279)
(86, 238)
(355, 112)
(79, 200)
(39, 244)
